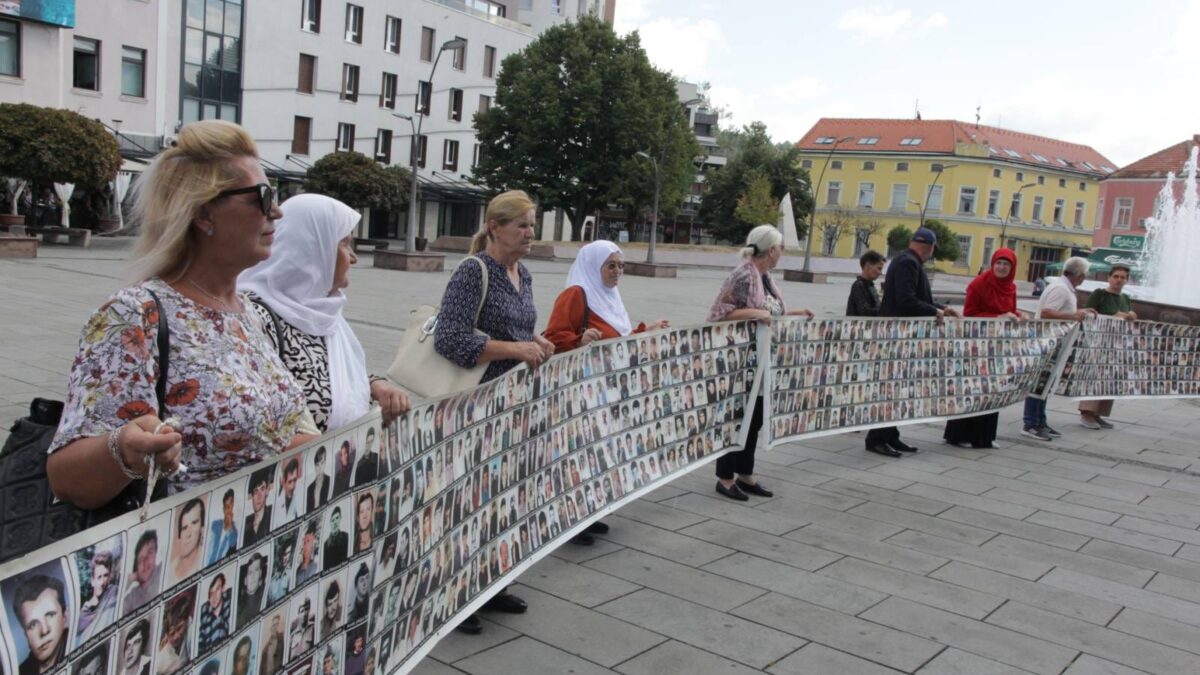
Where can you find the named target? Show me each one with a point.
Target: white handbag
(419, 368)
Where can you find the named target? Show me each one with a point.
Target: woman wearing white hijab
(302, 284)
(592, 283)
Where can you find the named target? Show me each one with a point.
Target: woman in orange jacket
(591, 309)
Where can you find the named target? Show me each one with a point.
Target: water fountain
(1173, 240)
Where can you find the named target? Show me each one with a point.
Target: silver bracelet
(114, 438)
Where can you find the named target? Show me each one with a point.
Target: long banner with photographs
(356, 553)
(1113, 358)
(837, 375)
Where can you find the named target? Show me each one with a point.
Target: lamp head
(456, 43)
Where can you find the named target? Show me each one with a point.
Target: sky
(1112, 75)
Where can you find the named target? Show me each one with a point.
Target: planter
(7, 219)
(106, 225)
(422, 242)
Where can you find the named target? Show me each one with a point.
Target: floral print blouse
(236, 402)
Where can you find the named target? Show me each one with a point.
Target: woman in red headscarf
(991, 294)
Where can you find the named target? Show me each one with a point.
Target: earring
(209, 231)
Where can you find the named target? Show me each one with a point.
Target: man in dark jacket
(907, 293)
(863, 300)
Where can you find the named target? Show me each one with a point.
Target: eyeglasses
(266, 195)
(614, 265)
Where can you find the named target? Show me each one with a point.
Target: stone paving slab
(1080, 556)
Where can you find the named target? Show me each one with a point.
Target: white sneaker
(1089, 423)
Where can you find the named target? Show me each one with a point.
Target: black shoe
(755, 489)
(507, 603)
(583, 539)
(902, 446)
(470, 625)
(597, 527)
(732, 492)
(883, 449)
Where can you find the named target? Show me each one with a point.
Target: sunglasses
(614, 265)
(266, 195)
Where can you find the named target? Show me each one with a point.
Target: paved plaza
(1080, 556)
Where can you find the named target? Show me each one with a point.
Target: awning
(1103, 259)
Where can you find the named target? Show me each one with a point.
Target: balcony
(485, 16)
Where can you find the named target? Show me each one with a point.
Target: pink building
(1129, 196)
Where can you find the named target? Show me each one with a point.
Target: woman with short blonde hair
(207, 213)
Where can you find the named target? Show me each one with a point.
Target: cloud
(877, 21)
(630, 14)
(1182, 44)
(682, 46)
(788, 108)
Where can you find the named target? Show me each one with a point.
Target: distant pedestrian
(864, 299)
(1113, 302)
(907, 294)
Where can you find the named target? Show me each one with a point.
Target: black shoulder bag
(29, 516)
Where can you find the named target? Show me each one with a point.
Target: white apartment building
(305, 77)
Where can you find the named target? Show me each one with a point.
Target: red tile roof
(1159, 164)
(939, 137)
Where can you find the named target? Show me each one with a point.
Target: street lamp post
(816, 203)
(654, 223)
(410, 234)
(1004, 225)
(929, 193)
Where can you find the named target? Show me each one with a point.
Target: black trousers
(882, 435)
(742, 461)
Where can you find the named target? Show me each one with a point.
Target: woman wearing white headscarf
(302, 284)
(592, 284)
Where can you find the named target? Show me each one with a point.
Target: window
(1041, 180)
(825, 140)
(1099, 214)
(422, 150)
(133, 72)
(456, 104)
(1123, 217)
(996, 173)
(345, 137)
(301, 133)
(1013, 153)
(964, 251)
(1082, 186)
(937, 167)
(966, 200)
(1014, 211)
(830, 244)
(993, 203)
(556, 6)
(10, 48)
(862, 241)
(211, 86)
(868, 140)
(1062, 182)
(450, 155)
(485, 103)
(87, 64)
(427, 37)
(1039, 158)
(383, 146)
(424, 92)
(866, 195)
(1077, 221)
(934, 204)
(806, 164)
(310, 15)
(478, 156)
(460, 55)
(833, 194)
(349, 82)
(1037, 209)
(899, 197)
(901, 166)
(835, 164)
(911, 141)
(391, 35)
(1060, 205)
(308, 70)
(1020, 177)
(989, 247)
(354, 23)
(489, 61)
(387, 92)
(868, 166)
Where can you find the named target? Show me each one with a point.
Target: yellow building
(870, 175)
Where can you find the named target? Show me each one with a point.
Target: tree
(897, 238)
(866, 227)
(756, 204)
(947, 242)
(359, 181)
(834, 225)
(572, 110)
(726, 185)
(46, 145)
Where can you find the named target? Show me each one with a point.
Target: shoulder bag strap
(275, 322)
(164, 356)
(483, 295)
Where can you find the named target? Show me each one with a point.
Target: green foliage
(359, 181)
(756, 204)
(947, 243)
(898, 237)
(754, 155)
(48, 145)
(572, 110)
